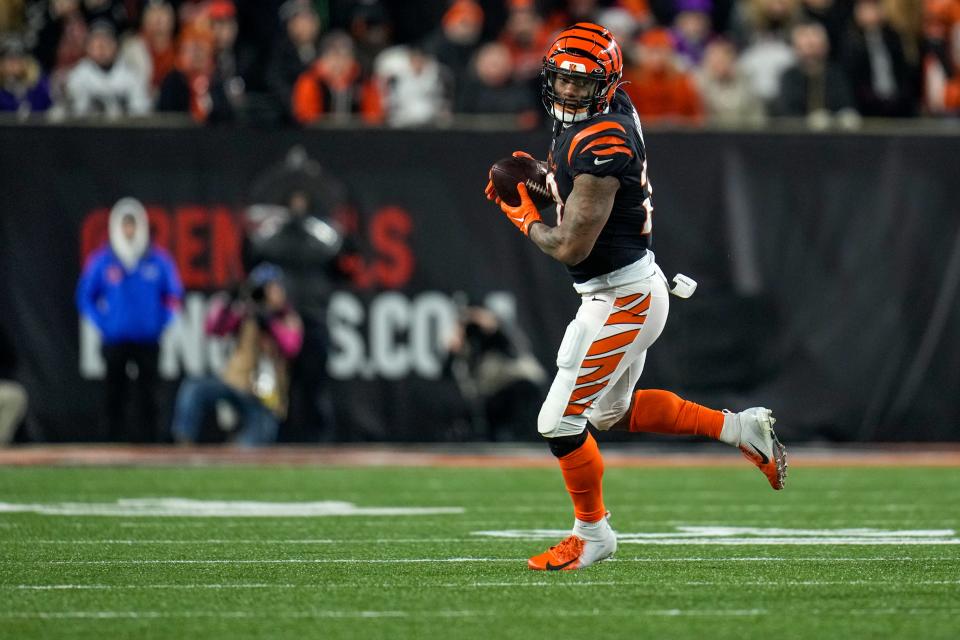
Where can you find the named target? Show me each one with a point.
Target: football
(508, 172)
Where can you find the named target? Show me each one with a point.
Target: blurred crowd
(409, 63)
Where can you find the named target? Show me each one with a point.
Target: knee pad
(565, 445)
(608, 417)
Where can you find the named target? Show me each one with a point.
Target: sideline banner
(829, 268)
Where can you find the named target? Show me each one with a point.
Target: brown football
(507, 172)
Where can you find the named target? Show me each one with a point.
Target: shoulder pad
(605, 147)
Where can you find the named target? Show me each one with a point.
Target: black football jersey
(610, 144)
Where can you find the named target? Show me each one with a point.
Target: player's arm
(586, 211)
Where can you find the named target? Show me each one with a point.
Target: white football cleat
(760, 445)
(589, 543)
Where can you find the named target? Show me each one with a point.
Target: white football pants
(603, 350)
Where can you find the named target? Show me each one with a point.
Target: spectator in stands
(834, 15)
(722, 13)
(875, 64)
(294, 53)
(455, 41)
(100, 85)
(621, 23)
(11, 16)
(415, 88)
(941, 58)
(230, 65)
(496, 372)
(192, 14)
(254, 383)
(490, 87)
(815, 87)
(308, 247)
(526, 37)
(112, 11)
(24, 89)
(906, 18)
(186, 89)
(335, 87)
(130, 290)
(13, 396)
(371, 32)
(61, 38)
(152, 51)
(258, 29)
(659, 89)
(756, 21)
(692, 29)
(761, 29)
(571, 11)
(728, 96)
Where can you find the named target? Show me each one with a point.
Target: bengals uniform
(624, 294)
(610, 144)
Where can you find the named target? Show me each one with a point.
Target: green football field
(304, 552)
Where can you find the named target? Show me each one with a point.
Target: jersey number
(647, 202)
(555, 192)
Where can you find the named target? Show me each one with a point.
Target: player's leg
(613, 402)
(613, 329)
(565, 428)
(619, 407)
(751, 430)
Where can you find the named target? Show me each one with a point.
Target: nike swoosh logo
(597, 299)
(558, 567)
(599, 161)
(762, 455)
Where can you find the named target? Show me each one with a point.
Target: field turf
(119, 575)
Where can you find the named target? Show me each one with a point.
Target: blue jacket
(129, 306)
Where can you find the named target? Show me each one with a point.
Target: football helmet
(584, 53)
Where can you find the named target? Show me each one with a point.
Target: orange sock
(583, 474)
(657, 411)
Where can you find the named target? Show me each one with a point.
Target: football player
(598, 176)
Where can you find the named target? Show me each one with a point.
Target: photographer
(496, 372)
(255, 381)
(301, 238)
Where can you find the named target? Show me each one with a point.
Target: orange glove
(524, 214)
(491, 191)
(522, 154)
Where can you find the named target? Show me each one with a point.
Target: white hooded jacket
(129, 251)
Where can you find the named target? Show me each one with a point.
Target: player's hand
(491, 191)
(524, 214)
(524, 154)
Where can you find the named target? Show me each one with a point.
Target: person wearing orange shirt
(660, 90)
(334, 86)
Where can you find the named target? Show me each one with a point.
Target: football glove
(490, 191)
(524, 214)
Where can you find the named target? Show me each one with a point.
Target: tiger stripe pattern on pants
(602, 355)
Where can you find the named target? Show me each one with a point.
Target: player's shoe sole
(760, 445)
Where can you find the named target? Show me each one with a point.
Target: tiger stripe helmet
(586, 51)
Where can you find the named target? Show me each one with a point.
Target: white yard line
(413, 615)
(124, 587)
(668, 542)
(253, 541)
(464, 560)
(480, 585)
